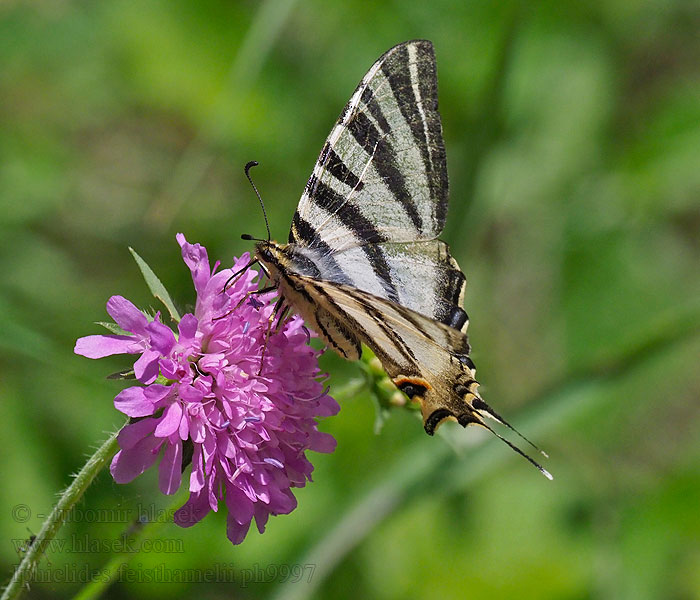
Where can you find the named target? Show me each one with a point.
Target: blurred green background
(573, 140)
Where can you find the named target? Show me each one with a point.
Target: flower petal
(235, 531)
(126, 315)
(184, 430)
(187, 328)
(322, 442)
(146, 367)
(195, 257)
(239, 506)
(170, 468)
(194, 510)
(170, 421)
(282, 502)
(132, 434)
(129, 464)
(133, 402)
(156, 392)
(197, 473)
(262, 513)
(99, 346)
(327, 407)
(162, 337)
(191, 395)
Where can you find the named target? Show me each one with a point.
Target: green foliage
(572, 132)
(156, 286)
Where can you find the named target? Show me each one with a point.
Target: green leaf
(112, 327)
(127, 374)
(156, 287)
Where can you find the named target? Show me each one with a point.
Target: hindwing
(427, 360)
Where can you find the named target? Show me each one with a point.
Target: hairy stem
(74, 492)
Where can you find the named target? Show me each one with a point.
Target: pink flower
(246, 433)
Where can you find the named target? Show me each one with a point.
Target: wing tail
(471, 417)
(482, 407)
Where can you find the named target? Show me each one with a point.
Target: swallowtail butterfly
(363, 264)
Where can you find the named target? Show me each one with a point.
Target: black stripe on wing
(437, 172)
(384, 161)
(361, 228)
(351, 216)
(334, 165)
(379, 321)
(374, 109)
(418, 102)
(451, 288)
(304, 234)
(393, 109)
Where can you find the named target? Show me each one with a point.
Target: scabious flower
(208, 392)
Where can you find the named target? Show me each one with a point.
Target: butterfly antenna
(248, 167)
(480, 405)
(533, 462)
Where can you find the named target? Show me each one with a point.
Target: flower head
(208, 392)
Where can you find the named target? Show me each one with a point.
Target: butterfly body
(363, 264)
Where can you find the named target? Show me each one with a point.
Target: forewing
(381, 175)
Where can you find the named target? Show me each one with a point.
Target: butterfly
(363, 264)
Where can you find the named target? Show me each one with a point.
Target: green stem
(23, 574)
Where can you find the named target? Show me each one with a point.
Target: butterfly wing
(426, 359)
(377, 197)
(382, 173)
(421, 276)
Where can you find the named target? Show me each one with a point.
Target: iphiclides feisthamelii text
(363, 264)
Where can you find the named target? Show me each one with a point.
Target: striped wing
(382, 173)
(377, 198)
(363, 265)
(414, 350)
(421, 276)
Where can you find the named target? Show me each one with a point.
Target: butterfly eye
(265, 253)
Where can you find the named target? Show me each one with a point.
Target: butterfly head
(264, 252)
(271, 257)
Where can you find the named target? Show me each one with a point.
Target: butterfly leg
(231, 280)
(278, 310)
(283, 314)
(246, 296)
